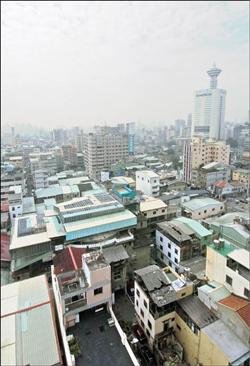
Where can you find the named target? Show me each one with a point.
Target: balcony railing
(75, 305)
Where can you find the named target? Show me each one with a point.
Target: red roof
(5, 245)
(221, 184)
(244, 313)
(5, 206)
(239, 305)
(70, 259)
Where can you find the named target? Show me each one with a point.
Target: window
(163, 210)
(145, 304)
(142, 313)
(170, 264)
(247, 293)
(173, 319)
(154, 212)
(176, 251)
(149, 324)
(229, 280)
(169, 245)
(213, 209)
(199, 213)
(176, 260)
(98, 291)
(147, 331)
(161, 247)
(13, 208)
(221, 207)
(117, 275)
(137, 304)
(162, 256)
(178, 327)
(169, 254)
(183, 294)
(161, 238)
(205, 211)
(14, 216)
(137, 293)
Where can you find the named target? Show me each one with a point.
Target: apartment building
(209, 174)
(15, 199)
(242, 176)
(199, 151)
(14, 178)
(43, 161)
(69, 155)
(104, 148)
(85, 283)
(150, 211)
(179, 240)
(148, 182)
(17, 161)
(229, 265)
(172, 317)
(40, 179)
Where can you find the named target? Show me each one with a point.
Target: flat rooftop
(152, 204)
(149, 173)
(100, 344)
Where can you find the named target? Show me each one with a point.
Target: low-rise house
(60, 193)
(201, 208)
(207, 175)
(81, 285)
(28, 325)
(15, 197)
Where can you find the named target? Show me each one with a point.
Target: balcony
(75, 305)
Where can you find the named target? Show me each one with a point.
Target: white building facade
(148, 183)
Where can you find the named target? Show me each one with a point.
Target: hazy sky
(83, 63)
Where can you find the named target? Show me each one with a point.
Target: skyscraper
(209, 109)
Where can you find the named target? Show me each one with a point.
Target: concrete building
(104, 148)
(202, 208)
(61, 193)
(69, 155)
(25, 305)
(93, 221)
(209, 109)
(229, 265)
(43, 161)
(15, 178)
(209, 174)
(156, 292)
(148, 183)
(199, 152)
(242, 176)
(15, 198)
(179, 240)
(17, 161)
(40, 179)
(149, 212)
(81, 286)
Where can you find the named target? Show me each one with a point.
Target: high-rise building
(209, 109)
(179, 127)
(130, 130)
(198, 152)
(108, 145)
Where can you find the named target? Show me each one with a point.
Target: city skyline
(86, 64)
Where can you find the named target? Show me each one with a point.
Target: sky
(69, 63)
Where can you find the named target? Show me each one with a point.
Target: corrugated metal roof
(197, 311)
(200, 203)
(115, 254)
(244, 313)
(28, 336)
(199, 229)
(226, 340)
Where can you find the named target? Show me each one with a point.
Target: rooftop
(115, 254)
(198, 228)
(152, 203)
(197, 311)
(69, 259)
(226, 340)
(200, 203)
(168, 228)
(24, 305)
(149, 173)
(225, 249)
(94, 333)
(241, 256)
(238, 304)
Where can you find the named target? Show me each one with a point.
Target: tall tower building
(209, 109)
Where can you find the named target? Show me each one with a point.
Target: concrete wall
(165, 249)
(209, 353)
(210, 211)
(239, 283)
(215, 266)
(189, 341)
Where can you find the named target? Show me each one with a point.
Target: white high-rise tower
(209, 109)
